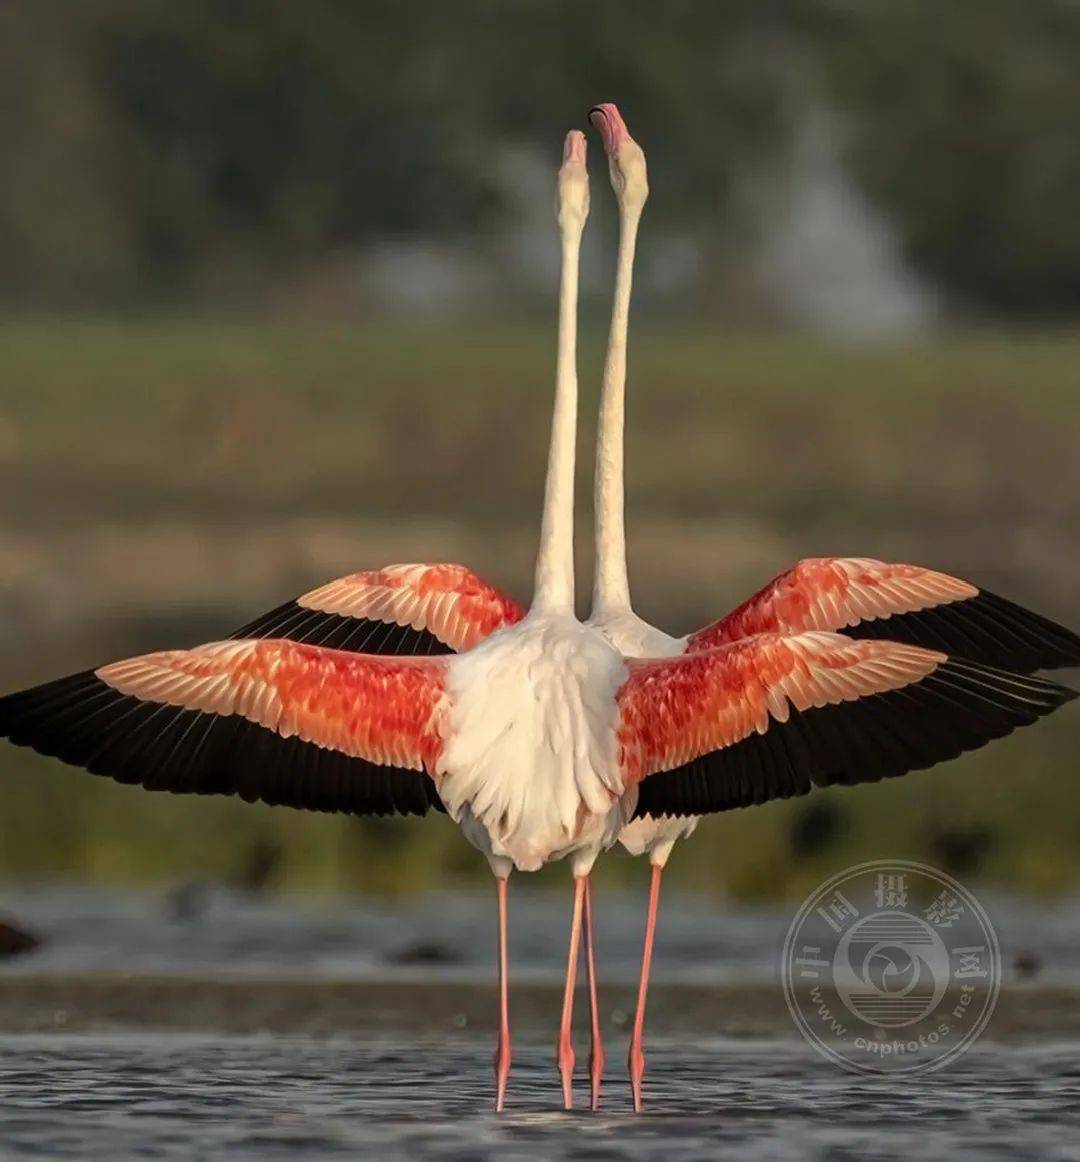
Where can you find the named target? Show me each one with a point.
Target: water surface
(205, 931)
(375, 1037)
(252, 1098)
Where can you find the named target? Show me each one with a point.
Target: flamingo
(898, 601)
(539, 737)
(612, 613)
(446, 607)
(499, 736)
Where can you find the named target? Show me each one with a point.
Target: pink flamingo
(502, 736)
(540, 738)
(446, 607)
(612, 613)
(865, 597)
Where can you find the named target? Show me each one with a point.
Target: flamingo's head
(626, 161)
(573, 201)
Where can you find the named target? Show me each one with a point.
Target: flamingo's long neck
(611, 586)
(554, 590)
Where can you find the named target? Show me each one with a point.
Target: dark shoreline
(37, 1003)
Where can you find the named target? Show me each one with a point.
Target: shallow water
(415, 1081)
(252, 1098)
(212, 931)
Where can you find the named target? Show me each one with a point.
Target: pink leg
(502, 1050)
(565, 1051)
(596, 1055)
(637, 1052)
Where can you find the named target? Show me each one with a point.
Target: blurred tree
(964, 127)
(158, 151)
(253, 134)
(276, 130)
(64, 233)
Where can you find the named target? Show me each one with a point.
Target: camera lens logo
(891, 967)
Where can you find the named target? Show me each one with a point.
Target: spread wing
(904, 603)
(266, 720)
(772, 716)
(398, 610)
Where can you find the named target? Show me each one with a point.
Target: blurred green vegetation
(203, 186)
(965, 131)
(165, 481)
(160, 152)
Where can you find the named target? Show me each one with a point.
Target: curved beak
(608, 120)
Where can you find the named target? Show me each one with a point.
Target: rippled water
(253, 1098)
(115, 1094)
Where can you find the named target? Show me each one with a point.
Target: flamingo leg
(637, 1051)
(502, 1049)
(565, 1048)
(596, 1054)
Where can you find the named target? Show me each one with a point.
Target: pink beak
(574, 146)
(608, 120)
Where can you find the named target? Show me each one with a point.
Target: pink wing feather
(399, 609)
(673, 710)
(774, 715)
(864, 598)
(383, 710)
(833, 593)
(264, 719)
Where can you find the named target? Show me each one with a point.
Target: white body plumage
(530, 768)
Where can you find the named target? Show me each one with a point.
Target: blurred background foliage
(163, 153)
(276, 286)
